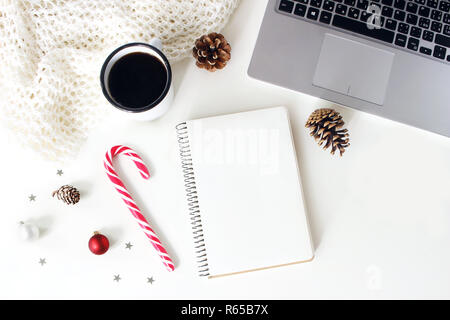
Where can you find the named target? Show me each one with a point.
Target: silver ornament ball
(28, 231)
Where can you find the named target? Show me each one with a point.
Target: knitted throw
(51, 52)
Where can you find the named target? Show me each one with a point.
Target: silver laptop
(387, 57)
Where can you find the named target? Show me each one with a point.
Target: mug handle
(156, 43)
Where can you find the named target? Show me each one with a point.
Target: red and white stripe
(130, 203)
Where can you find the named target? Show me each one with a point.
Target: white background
(380, 216)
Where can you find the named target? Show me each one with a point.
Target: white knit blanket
(51, 52)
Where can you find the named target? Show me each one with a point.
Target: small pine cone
(211, 51)
(67, 194)
(325, 126)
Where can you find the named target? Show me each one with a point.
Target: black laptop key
(413, 44)
(316, 3)
(428, 35)
(365, 16)
(399, 4)
(448, 57)
(377, 23)
(399, 15)
(400, 40)
(325, 17)
(361, 28)
(300, 10)
(436, 26)
(313, 13)
(353, 13)
(442, 40)
(362, 4)
(286, 6)
(426, 51)
(411, 18)
(447, 18)
(420, 1)
(391, 24)
(328, 5)
(444, 6)
(341, 9)
(424, 11)
(436, 15)
(373, 5)
(415, 32)
(424, 23)
(433, 3)
(302, 1)
(387, 2)
(350, 3)
(411, 7)
(403, 28)
(439, 52)
(447, 30)
(387, 11)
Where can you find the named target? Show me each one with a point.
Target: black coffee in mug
(137, 80)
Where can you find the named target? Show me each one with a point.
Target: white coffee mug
(157, 107)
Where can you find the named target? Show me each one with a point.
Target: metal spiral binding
(191, 194)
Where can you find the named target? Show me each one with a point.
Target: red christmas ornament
(98, 243)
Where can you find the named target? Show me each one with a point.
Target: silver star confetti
(150, 280)
(128, 245)
(59, 172)
(32, 197)
(42, 261)
(117, 278)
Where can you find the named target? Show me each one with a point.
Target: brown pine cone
(67, 194)
(325, 126)
(211, 51)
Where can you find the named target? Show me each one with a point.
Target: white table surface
(380, 216)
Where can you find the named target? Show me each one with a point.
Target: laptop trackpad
(353, 68)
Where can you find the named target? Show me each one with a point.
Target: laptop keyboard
(418, 26)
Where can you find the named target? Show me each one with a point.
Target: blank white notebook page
(249, 191)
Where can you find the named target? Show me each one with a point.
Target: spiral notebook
(244, 192)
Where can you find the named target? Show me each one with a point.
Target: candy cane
(130, 203)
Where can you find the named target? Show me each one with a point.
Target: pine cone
(324, 125)
(68, 194)
(211, 51)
